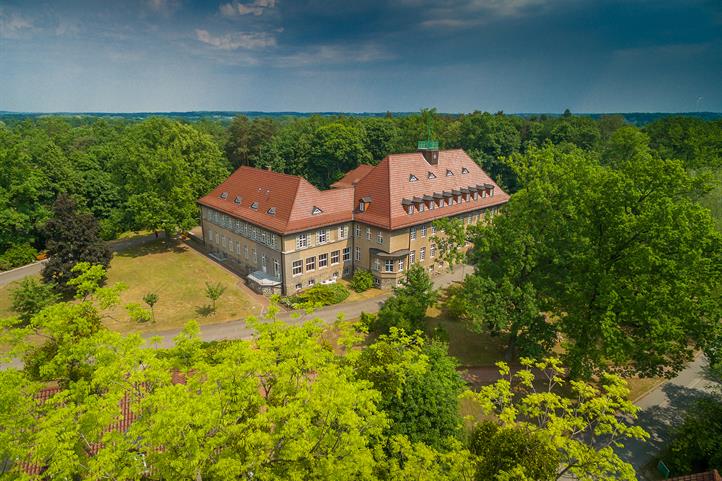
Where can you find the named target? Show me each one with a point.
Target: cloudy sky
(346, 55)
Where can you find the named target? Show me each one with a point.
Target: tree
(72, 238)
(406, 308)
(214, 292)
(335, 149)
(362, 280)
(151, 299)
(246, 138)
(619, 256)
(582, 428)
(32, 296)
(695, 445)
(419, 387)
(450, 240)
(512, 451)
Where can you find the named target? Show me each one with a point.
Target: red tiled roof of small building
(353, 177)
(293, 199)
(708, 476)
(389, 183)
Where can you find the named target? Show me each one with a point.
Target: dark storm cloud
(515, 55)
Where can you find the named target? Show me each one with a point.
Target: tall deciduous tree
(450, 240)
(406, 308)
(582, 428)
(625, 262)
(72, 238)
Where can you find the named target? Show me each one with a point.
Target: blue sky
(271, 55)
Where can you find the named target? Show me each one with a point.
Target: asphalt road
(21, 272)
(663, 408)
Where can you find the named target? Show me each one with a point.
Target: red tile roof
(292, 197)
(354, 176)
(708, 476)
(388, 184)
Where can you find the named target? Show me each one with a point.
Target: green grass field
(178, 275)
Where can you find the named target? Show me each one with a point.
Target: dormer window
(362, 205)
(449, 173)
(413, 178)
(224, 195)
(430, 175)
(237, 200)
(464, 170)
(254, 206)
(271, 211)
(316, 211)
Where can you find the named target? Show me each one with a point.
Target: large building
(285, 235)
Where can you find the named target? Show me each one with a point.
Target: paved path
(663, 408)
(21, 272)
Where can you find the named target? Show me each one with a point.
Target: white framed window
(299, 286)
(389, 265)
(401, 265)
(412, 257)
(422, 254)
(368, 233)
(343, 232)
(335, 256)
(410, 209)
(255, 256)
(264, 262)
(311, 282)
(423, 230)
(379, 238)
(376, 265)
(322, 236)
(322, 261)
(421, 207)
(301, 241)
(311, 263)
(297, 268)
(432, 250)
(346, 254)
(223, 241)
(358, 254)
(433, 229)
(238, 247)
(276, 269)
(357, 230)
(412, 233)
(245, 252)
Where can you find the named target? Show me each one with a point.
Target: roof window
(254, 206)
(449, 173)
(412, 178)
(224, 195)
(430, 175)
(271, 211)
(316, 211)
(464, 170)
(237, 200)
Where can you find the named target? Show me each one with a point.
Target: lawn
(177, 274)
(5, 300)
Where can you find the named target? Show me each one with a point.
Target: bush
(17, 256)
(362, 280)
(31, 296)
(318, 296)
(138, 314)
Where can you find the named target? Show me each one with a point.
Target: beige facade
(292, 262)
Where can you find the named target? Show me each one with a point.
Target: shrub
(17, 256)
(137, 313)
(362, 280)
(31, 296)
(318, 296)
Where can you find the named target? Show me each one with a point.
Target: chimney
(430, 150)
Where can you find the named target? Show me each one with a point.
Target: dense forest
(146, 175)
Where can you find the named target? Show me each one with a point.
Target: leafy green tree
(406, 308)
(582, 426)
(626, 268)
(695, 445)
(408, 460)
(246, 139)
(382, 137)
(72, 238)
(362, 280)
(335, 149)
(18, 255)
(31, 296)
(151, 299)
(214, 292)
(419, 387)
(450, 240)
(164, 167)
(512, 451)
